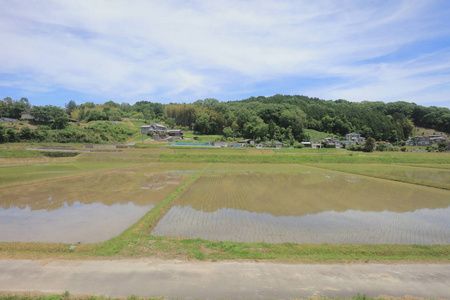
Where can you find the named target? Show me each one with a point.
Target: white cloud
(198, 48)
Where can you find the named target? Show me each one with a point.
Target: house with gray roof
(154, 127)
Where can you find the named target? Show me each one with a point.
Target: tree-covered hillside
(279, 117)
(286, 116)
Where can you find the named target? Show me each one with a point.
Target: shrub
(382, 147)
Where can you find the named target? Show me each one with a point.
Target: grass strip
(350, 158)
(14, 176)
(19, 153)
(142, 228)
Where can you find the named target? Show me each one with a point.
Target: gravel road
(220, 280)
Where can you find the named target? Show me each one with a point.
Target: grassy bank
(28, 174)
(306, 158)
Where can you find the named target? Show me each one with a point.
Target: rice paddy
(244, 204)
(435, 176)
(277, 204)
(86, 209)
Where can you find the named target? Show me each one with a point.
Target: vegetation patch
(60, 153)
(30, 174)
(19, 153)
(316, 157)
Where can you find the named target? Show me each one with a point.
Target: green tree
(442, 147)
(255, 128)
(202, 124)
(70, 107)
(227, 132)
(50, 115)
(369, 146)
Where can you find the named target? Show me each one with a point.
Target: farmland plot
(276, 204)
(435, 177)
(89, 209)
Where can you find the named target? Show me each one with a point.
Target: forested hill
(279, 117)
(284, 115)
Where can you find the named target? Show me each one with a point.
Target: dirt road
(219, 280)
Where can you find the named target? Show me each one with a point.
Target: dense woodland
(279, 117)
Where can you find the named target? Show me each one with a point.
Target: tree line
(278, 117)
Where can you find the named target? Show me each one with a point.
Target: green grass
(19, 153)
(30, 173)
(347, 157)
(152, 145)
(317, 135)
(201, 138)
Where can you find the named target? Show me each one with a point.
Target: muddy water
(88, 209)
(308, 206)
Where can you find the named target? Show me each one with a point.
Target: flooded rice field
(88, 209)
(301, 204)
(437, 177)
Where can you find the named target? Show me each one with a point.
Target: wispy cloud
(185, 50)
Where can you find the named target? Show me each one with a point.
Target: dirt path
(219, 280)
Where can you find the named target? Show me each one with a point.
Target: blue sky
(181, 51)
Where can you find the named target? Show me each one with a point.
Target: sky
(181, 51)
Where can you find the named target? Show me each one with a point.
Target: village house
(26, 115)
(160, 132)
(244, 143)
(432, 139)
(314, 145)
(437, 139)
(154, 127)
(333, 142)
(175, 133)
(354, 138)
(420, 140)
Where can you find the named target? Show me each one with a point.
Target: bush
(354, 148)
(432, 148)
(382, 147)
(442, 147)
(298, 145)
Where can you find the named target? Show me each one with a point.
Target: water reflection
(424, 226)
(85, 223)
(108, 188)
(88, 209)
(308, 207)
(308, 193)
